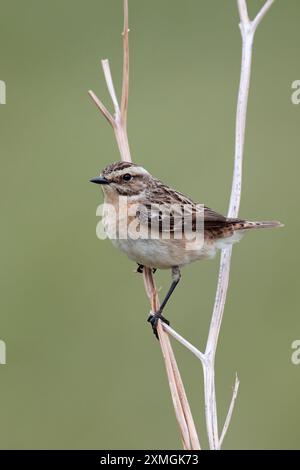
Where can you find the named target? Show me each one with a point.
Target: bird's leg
(140, 269)
(153, 318)
(176, 275)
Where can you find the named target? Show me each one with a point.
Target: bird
(158, 227)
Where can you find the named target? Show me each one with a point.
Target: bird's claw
(153, 319)
(140, 269)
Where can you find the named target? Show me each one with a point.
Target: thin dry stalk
(248, 29)
(181, 405)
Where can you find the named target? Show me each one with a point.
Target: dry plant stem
(154, 302)
(184, 342)
(125, 81)
(181, 406)
(119, 124)
(248, 29)
(194, 440)
(230, 410)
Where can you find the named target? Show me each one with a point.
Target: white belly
(162, 254)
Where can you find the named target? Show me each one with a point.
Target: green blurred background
(83, 369)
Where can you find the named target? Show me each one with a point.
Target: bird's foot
(140, 269)
(153, 319)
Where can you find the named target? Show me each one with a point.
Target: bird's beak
(99, 180)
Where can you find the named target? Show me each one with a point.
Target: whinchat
(161, 228)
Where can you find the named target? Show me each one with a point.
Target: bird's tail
(238, 224)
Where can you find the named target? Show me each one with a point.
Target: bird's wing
(213, 220)
(163, 217)
(168, 209)
(179, 217)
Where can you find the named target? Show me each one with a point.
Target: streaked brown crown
(116, 166)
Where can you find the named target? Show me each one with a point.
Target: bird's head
(123, 179)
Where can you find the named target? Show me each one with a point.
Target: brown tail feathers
(239, 224)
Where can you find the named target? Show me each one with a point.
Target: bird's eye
(127, 177)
